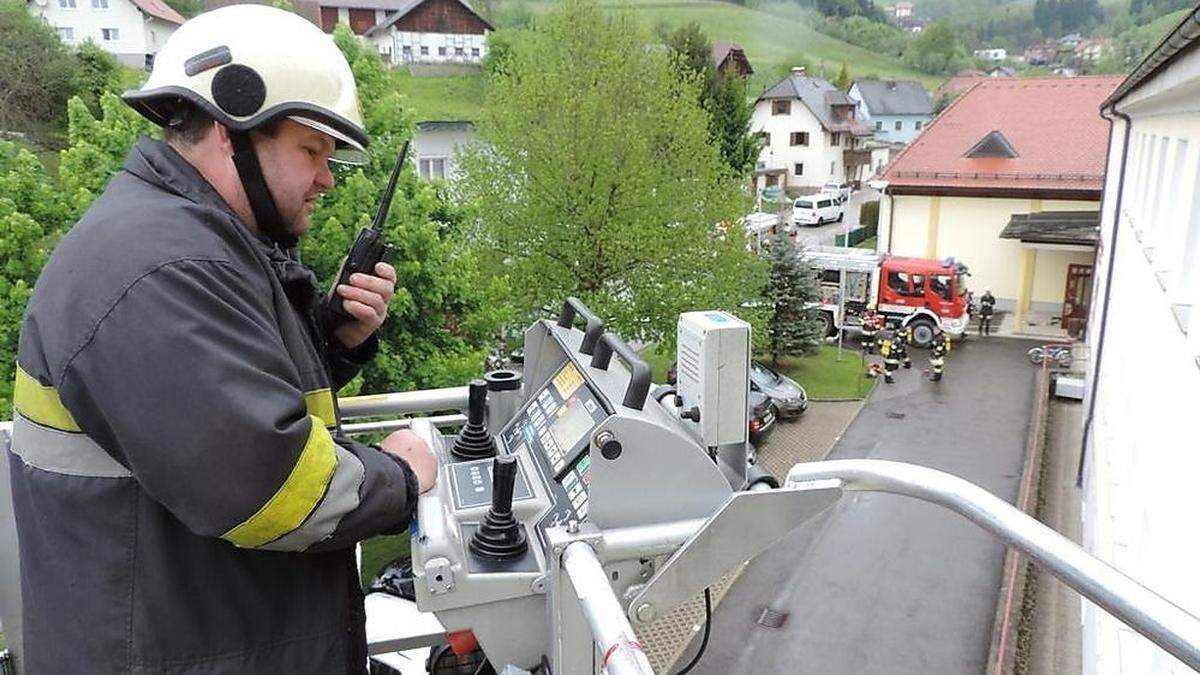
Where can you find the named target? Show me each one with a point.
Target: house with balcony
(810, 135)
(429, 32)
(132, 30)
(1008, 180)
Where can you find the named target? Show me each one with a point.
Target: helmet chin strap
(262, 204)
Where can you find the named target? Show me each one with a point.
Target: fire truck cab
(918, 292)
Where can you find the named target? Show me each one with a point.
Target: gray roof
(406, 6)
(818, 96)
(388, 5)
(1054, 227)
(895, 97)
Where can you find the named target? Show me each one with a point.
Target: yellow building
(1008, 180)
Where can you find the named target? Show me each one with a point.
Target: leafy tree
(188, 8)
(937, 50)
(98, 72)
(723, 98)
(793, 329)
(843, 80)
(37, 73)
(599, 179)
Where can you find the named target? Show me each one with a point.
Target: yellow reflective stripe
(298, 495)
(320, 405)
(40, 403)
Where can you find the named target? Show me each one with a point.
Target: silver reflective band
(72, 454)
(341, 497)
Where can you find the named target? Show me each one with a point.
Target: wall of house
(1140, 499)
(885, 127)
(87, 21)
(436, 47)
(817, 157)
(442, 144)
(156, 32)
(968, 228)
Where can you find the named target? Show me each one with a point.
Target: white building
(896, 110)
(133, 30)
(991, 54)
(1141, 445)
(903, 9)
(432, 32)
(810, 134)
(436, 145)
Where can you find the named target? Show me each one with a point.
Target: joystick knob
(474, 441)
(499, 537)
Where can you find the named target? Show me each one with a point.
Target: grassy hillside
(773, 37)
(453, 97)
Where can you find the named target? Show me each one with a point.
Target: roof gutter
(1108, 113)
(1181, 39)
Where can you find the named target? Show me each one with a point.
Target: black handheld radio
(369, 248)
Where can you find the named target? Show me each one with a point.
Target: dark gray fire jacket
(182, 503)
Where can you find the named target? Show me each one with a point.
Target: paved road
(883, 584)
(824, 234)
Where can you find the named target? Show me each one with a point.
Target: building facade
(431, 32)
(436, 145)
(1140, 458)
(1008, 180)
(132, 30)
(895, 110)
(810, 134)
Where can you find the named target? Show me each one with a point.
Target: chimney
(797, 70)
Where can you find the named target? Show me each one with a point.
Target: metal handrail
(1161, 621)
(621, 652)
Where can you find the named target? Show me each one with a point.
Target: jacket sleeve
(344, 363)
(187, 382)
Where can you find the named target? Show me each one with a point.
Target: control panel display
(555, 424)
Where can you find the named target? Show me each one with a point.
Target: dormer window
(994, 145)
(781, 107)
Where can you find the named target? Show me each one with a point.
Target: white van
(817, 210)
(840, 191)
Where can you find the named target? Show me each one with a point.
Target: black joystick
(474, 441)
(499, 537)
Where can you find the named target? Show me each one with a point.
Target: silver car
(786, 394)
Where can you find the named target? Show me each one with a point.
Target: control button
(579, 499)
(582, 510)
(574, 491)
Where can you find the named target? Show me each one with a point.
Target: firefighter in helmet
(889, 351)
(901, 342)
(937, 355)
(872, 322)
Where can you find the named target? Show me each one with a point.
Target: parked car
(817, 210)
(762, 416)
(840, 191)
(788, 397)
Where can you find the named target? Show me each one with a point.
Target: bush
(869, 213)
(37, 73)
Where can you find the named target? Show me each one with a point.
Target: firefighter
(872, 322)
(891, 361)
(987, 307)
(175, 447)
(901, 342)
(937, 355)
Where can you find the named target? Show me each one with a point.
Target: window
(431, 168)
(66, 4)
(110, 34)
(781, 107)
(879, 126)
(831, 168)
(942, 285)
(799, 138)
(835, 139)
(99, 4)
(65, 33)
(899, 282)
(830, 276)
(824, 204)
(441, 51)
(424, 50)
(475, 52)
(899, 125)
(406, 51)
(798, 169)
(459, 51)
(920, 124)
(764, 137)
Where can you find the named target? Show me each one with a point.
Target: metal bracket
(746, 525)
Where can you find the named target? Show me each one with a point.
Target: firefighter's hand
(409, 447)
(366, 299)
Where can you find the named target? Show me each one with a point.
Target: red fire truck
(913, 292)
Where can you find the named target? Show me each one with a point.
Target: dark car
(762, 416)
(786, 394)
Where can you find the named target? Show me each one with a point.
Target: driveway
(823, 235)
(883, 584)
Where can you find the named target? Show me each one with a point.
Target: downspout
(891, 217)
(1108, 279)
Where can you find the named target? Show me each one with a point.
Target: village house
(994, 54)
(1008, 180)
(730, 59)
(897, 110)
(1140, 460)
(810, 134)
(436, 145)
(132, 30)
(430, 32)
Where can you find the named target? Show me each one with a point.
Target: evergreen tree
(843, 80)
(793, 329)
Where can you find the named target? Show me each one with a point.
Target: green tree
(98, 72)
(792, 329)
(937, 50)
(37, 73)
(723, 98)
(843, 80)
(600, 179)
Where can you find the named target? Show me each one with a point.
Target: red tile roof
(1054, 125)
(160, 10)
